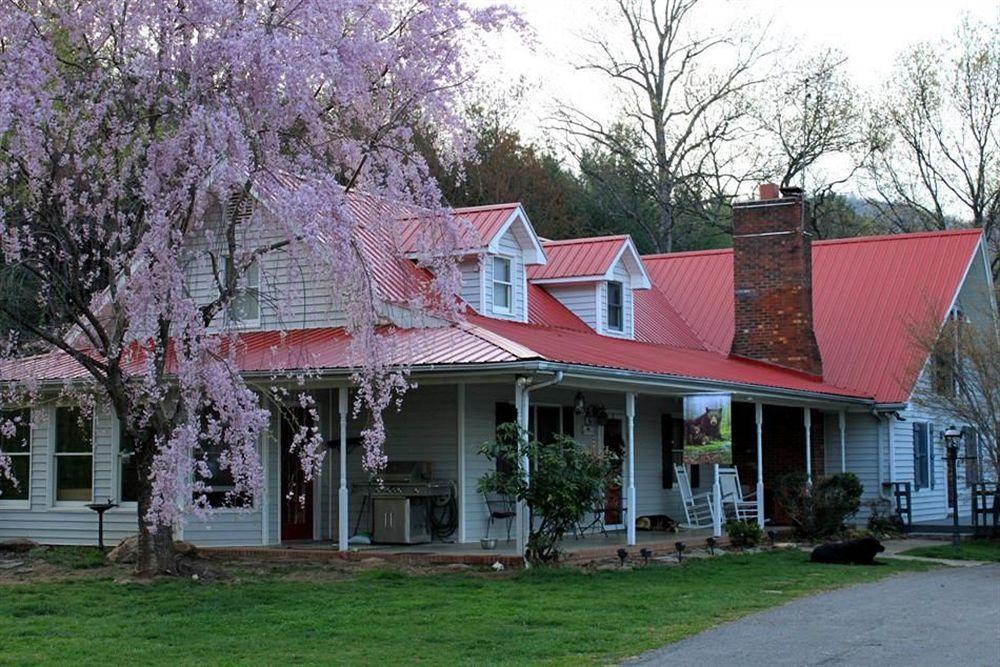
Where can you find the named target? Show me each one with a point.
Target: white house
(582, 337)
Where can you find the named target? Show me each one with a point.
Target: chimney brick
(772, 283)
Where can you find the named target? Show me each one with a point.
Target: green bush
(822, 509)
(744, 534)
(565, 481)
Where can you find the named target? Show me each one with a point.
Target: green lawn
(988, 550)
(552, 616)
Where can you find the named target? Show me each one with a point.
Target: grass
(555, 616)
(74, 558)
(988, 550)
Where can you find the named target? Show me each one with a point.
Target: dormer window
(503, 286)
(616, 307)
(244, 308)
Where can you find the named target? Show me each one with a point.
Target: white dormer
(595, 278)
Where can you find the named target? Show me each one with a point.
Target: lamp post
(952, 436)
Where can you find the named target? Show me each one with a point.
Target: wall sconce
(579, 405)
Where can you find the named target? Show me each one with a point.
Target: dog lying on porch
(660, 522)
(860, 552)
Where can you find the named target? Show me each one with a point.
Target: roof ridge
(687, 253)
(493, 338)
(902, 236)
(485, 207)
(587, 239)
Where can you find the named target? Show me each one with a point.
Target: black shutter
(667, 451)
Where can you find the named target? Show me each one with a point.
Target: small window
(616, 307)
(128, 469)
(921, 455)
(245, 305)
(503, 287)
(15, 444)
(220, 480)
(74, 456)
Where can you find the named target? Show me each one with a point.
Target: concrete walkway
(945, 617)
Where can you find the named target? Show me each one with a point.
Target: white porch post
(758, 410)
(630, 509)
(461, 462)
(807, 421)
(716, 502)
(521, 401)
(842, 423)
(342, 520)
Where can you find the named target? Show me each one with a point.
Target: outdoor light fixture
(579, 405)
(710, 543)
(645, 553)
(622, 555)
(952, 436)
(680, 546)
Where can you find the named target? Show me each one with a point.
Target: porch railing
(901, 492)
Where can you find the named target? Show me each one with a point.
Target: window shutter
(930, 453)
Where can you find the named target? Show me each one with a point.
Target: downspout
(878, 449)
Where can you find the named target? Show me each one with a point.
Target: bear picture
(707, 429)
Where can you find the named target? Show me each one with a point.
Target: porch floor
(588, 547)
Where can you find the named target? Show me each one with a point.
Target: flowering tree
(124, 124)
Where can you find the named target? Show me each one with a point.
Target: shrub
(820, 510)
(565, 480)
(883, 521)
(744, 534)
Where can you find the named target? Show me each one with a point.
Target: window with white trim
(15, 444)
(244, 307)
(616, 307)
(73, 457)
(503, 285)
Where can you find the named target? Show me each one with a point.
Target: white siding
(471, 289)
(581, 298)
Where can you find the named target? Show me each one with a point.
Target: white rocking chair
(734, 503)
(698, 509)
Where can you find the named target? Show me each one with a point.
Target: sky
(869, 33)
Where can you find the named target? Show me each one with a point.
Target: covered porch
(444, 422)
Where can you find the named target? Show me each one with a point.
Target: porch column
(758, 411)
(342, 520)
(630, 509)
(521, 400)
(807, 421)
(461, 462)
(716, 502)
(842, 423)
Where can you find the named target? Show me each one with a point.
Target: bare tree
(681, 112)
(937, 133)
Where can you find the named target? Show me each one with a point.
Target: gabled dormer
(595, 278)
(497, 244)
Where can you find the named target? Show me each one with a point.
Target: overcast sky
(869, 32)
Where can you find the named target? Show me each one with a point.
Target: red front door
(296, 493)
(614, 444)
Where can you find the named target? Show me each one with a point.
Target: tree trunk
(155, 548)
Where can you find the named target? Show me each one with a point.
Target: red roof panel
(867, 295)
(577, 258)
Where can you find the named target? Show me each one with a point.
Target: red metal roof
(591, 349)
(545, 310)
(576, 258)
(867, 295)
(478, 225)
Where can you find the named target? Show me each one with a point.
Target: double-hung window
(922, 455)
(616, 307)
(503, 285)
(15, 445)
(244, 307)
(74, 456)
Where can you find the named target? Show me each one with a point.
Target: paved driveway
(946, 617)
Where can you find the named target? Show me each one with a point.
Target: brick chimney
(772, 281)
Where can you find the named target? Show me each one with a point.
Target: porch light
(579, 404)
(952, 436)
